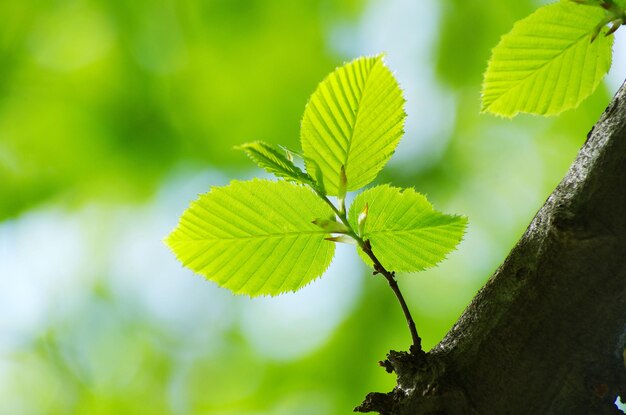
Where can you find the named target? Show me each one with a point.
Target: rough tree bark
(546, 334)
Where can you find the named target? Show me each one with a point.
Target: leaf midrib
(358, 112)
(248, 237)
(405, 230)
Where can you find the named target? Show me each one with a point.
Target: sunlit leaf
(273, 161)
(547, 63)
(255, 237)
(406, 233)
(354, 119)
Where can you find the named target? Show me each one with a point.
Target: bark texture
(546, 334)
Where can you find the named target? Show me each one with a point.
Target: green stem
(390, 276)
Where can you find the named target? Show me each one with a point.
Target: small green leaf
(273, 161)
(406, 233)
(255, 237)
(547, 63)
(354, 119)
(331, 225)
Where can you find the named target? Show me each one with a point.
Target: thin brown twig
(390, 276)
(391, 279)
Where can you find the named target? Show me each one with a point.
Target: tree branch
(546, 334)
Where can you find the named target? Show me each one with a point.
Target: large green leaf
(406, 233)
(255, 237)
(547, 63)
(273, 161)
(354, 119)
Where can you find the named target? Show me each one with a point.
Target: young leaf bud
(343, 239)
(362, 218)
(341, 194)
(615, 24)
(331, 225)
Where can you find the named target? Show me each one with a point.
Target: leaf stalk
(390, 276)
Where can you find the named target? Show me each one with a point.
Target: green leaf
(547, 63)
(354, 119)
(273, 161)
(406, 233)
(255, 237)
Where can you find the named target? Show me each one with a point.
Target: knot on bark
(422, 388)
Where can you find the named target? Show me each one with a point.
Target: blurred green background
(115, 115)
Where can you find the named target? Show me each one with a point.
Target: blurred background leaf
(115, 115)
(101, 99)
